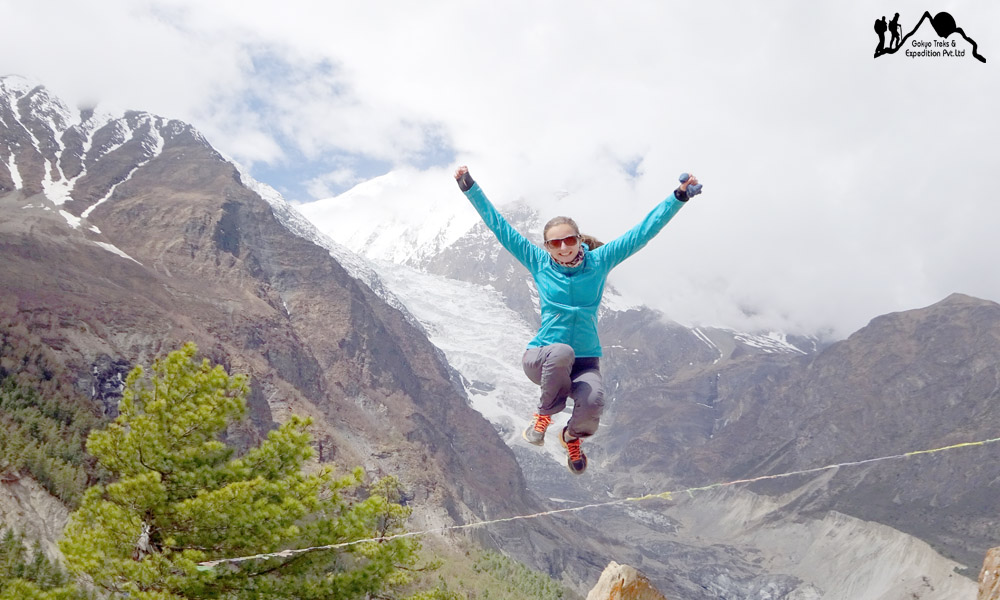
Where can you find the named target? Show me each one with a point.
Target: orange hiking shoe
(576, 460)
(535, 433)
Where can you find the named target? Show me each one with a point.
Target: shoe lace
(574, 450)
(542, 423)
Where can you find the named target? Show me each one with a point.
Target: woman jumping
(570, 273)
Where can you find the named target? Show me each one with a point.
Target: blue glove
(692, 190)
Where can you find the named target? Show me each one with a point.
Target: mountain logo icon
(944, 26)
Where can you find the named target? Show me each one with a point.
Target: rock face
(25, 505)
(989, 579)
(622, 582)
(908, 381)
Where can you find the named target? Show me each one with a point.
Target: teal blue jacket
(569, 297)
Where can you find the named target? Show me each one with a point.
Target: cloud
(837, 186)
(325, 185)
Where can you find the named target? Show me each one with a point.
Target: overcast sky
(837, 186)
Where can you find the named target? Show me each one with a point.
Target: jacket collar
(578, 262)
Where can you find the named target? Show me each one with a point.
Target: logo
(944, 26)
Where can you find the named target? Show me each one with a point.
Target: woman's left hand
(692, 180)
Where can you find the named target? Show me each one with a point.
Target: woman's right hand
(461, 172)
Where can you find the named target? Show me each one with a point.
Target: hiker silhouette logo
(941, 45)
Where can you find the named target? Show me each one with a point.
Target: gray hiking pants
(561, 375)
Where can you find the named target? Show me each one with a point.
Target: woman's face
(570, 242)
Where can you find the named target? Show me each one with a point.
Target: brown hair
(590, 240)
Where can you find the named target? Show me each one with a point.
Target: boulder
(622, 582)
(989, 579)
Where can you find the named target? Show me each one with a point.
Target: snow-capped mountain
(76, 159)
(398, 217)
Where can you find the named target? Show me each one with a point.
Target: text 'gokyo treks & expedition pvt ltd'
(934, 48)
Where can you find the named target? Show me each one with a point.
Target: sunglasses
(570, 241)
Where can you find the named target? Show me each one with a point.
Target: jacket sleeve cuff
(678, 193)
(465, 182)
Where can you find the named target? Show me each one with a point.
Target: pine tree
(34, 577)
(179, 497)
(43, 417)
